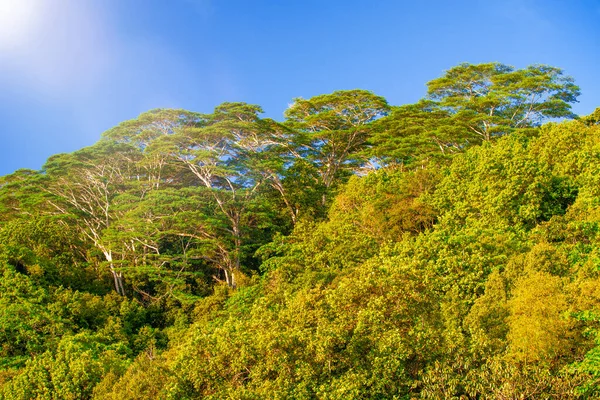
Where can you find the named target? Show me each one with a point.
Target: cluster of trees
(443, 249)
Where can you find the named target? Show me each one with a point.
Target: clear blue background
(83, 66)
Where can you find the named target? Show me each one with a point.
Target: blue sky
(70, 69)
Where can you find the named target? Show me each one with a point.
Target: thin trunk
(226, 277)
(277, 185)
(120, 279)
(117, 276)
(232, 283)
(237, 238)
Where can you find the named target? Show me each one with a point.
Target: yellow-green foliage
(477, 276)
(538, 325)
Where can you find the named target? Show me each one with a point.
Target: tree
(492, 99)
(224, 154)
(416, 133)
(334, 128)
(471, 104)
(20, 195)
(86, 183)
(142, 132)
(166, 239)
(593, 118)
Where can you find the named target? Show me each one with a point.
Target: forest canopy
(357, 249)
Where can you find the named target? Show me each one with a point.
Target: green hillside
(357, 250)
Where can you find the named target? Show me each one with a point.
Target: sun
(18, 20)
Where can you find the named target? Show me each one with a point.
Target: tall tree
(165, 239)
(86, 184)
(142, 132)
(416, 133)
(471, 104)
(492, 99)
(334, 128)
(224, 153)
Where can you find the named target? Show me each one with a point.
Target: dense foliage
(444, 249)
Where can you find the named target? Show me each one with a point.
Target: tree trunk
(117, 276)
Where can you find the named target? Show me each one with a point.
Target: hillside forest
(446, 249)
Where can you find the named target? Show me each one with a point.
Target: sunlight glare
(18, 20)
